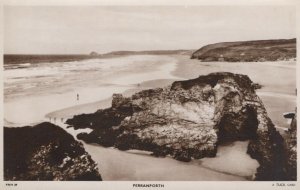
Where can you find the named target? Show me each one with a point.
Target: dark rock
(93, 53)
(183, 156)
(257, 86)
(45, 152)
(291, 150)
(268, 150)
(279, 162)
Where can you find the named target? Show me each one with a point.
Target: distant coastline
(243, 51)
(50, 58)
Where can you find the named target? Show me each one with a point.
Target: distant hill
(148, 52)
(248, 51)
(31, 58)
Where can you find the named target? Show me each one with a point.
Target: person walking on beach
(77, 96)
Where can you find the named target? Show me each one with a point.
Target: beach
(30, 89)
(53, 98)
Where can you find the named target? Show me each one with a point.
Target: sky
(82, 29)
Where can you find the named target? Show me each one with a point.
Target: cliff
(189, 119)
(46, 152)
(248, 51)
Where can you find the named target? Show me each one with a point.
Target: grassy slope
(261, 50)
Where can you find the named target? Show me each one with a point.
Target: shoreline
(62, 101)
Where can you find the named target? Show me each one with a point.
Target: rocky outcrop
(189, 119)
(248, 51)
(46, 152)
(291, 150)
(94, 54)
(268, 149)
(282, 164)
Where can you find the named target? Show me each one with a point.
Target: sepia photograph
(149, 93)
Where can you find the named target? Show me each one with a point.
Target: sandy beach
(132, 166)
(142, 72)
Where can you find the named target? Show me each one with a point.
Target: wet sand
(230, 160)
(119, 165)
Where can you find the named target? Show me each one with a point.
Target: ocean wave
(17, 66)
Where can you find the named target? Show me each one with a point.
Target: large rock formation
(189, 119)
(248, 51)
(45, 152)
